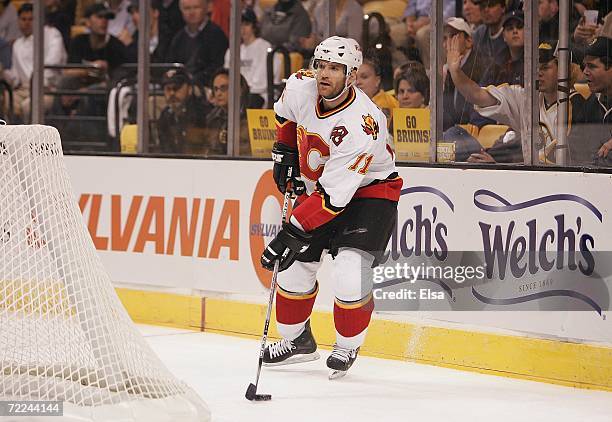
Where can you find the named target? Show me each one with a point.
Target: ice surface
(221, 367)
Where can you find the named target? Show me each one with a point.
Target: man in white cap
(480, 68)
(333, 139)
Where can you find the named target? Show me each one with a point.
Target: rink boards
(182, 240)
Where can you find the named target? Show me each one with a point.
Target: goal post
(64, 334)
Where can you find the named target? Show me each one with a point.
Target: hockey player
(333, 137)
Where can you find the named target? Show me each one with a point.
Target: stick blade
(251, 394)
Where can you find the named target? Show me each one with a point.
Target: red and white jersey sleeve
(343, 151)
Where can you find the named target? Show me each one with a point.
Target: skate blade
(296, 359)
(334, 374)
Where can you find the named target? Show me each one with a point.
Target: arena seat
(583, 89)
(387, 8)
(129, 139)
(471, 129)
(490, 133)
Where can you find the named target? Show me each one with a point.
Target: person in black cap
(181, 123)
(513, 69)
(98, 47)
(154, 46)
(591, 140)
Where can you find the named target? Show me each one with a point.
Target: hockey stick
(251, 393)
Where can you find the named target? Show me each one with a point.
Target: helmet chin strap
(346, 87)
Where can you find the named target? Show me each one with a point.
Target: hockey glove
(287, 244)
(284, 158)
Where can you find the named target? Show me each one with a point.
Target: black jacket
(202, 54)
(591, 128)
(182, 131)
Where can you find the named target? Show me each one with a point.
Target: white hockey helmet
(341, 50)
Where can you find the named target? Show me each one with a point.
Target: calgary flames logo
(370, 126)
(304, 73)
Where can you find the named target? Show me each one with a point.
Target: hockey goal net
(64, 335)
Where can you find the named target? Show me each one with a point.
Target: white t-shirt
(253, 65)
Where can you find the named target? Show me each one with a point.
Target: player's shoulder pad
(302, 79)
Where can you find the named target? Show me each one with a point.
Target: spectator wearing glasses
(200, 45)
(217, 118)
(181, 123)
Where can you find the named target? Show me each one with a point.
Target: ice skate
(340, 361)
(285, 352)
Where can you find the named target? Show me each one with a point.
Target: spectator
(369, 81)
(98, 47)
(181, 123)
(506, 149)
(220, 15)
(548, 12)
(217, 118)
(132, 46)
(170, 23)
(591, 141)
(57, 17)
(412, 89)
(488, 39)
(410, 65)
(73, 129)
(20, 74)
(471, 13)
(479, 68)
(253, 56)
(286, 24)
(513, 70)
(418, 27)
(505, 103)
(201, 45)
(349, 21)
(121, 25)
(9, 28)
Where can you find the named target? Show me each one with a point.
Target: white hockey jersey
(343, 151)
(510, 111)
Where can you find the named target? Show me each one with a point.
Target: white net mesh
(64, 334)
